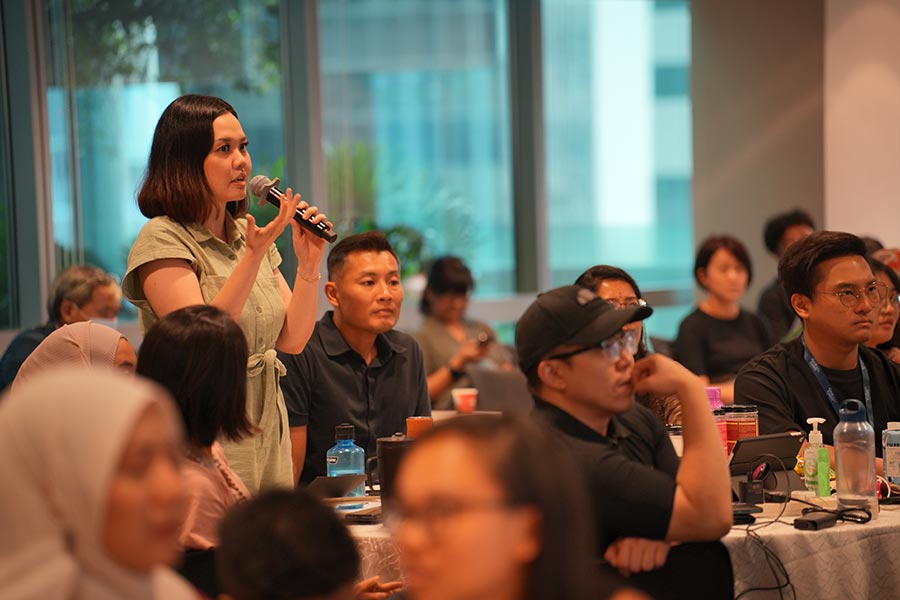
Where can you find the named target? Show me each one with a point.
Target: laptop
(501, 391)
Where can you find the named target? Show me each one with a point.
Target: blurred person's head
(92, 494)
(198, 162)
(483, 511)
(873, 245)
(85, 344)
(831, 286)
(199, 354)
(575, 351)
(446, 294)
(83, 292)
(363, 284)
(886, 320)
(722, 268)
(619, 289)
(786, 228)
(285, 545)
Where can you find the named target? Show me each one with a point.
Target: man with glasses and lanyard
(833, 291)
(578, 356)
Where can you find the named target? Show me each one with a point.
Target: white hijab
(62, 435)
(83, 343)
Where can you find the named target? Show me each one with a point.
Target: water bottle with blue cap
(854, 458)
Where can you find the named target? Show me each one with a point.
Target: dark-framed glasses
(435, 516)
(626, 339)
(626, 302)
(875, 292)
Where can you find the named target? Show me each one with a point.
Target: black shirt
(717, 348)
(784, 388)
(630, 471)
(21, 348)
(329, 383)
(775, 310)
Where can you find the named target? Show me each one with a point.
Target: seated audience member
(498, 501)
(449, 341)
(836, 295)
(287, 546)
(781, 231)
(886, 319)
(719, 337)
(356, 368)
(891, 257)
(85, 344)
(92, 499)
(580, 366)
(199, 354)
(620, 290)
(79, 293)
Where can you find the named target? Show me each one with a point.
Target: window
(116, 66)
(6, 195)
(415, 118)
(618, 142)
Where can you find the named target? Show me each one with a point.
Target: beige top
(213, 261)
(212, 489)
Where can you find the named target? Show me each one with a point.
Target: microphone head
(259, 187)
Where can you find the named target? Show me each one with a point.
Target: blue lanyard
(826, 385)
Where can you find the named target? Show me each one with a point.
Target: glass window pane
(415, 107)
(115, 67)
(7, 302)
(618, 142)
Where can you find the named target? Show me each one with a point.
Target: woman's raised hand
(260, 238)
(308, 247)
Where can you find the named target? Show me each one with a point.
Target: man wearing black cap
(580, 367)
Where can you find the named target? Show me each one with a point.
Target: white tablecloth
(846, 561)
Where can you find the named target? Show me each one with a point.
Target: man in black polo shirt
(833, 291)
(355, 368)
(580, 366)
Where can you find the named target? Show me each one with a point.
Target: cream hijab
(84, 343)
(62, 435)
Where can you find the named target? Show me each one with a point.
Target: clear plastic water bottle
(345, 457)
(854, 457)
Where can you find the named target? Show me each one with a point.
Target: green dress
(264, 459)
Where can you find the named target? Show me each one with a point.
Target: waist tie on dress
(265, 363)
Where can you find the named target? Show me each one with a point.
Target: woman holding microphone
(202, 247)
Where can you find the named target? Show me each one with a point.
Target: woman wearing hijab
(79, 344)
(92, 500)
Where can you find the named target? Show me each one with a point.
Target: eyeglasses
(876, 292)
(437, 514)
(626, 303)
(893, 299)
(612, 347)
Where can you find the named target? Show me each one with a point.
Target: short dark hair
(369, 241)
(448, 275)
(797, 269)
(77, 284)
(199, 353)
(879, 267)
(710, 245)
(777, 225)
(592, 278)
(175, 184)
(533, 470)
(284, 545)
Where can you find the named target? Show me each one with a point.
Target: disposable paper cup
(416, 426)
(465, 399)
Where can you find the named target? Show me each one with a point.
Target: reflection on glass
(6, 299)
(618, 141)
(115, 67)
(415, 108)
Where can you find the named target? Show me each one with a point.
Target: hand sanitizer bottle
(816, 462)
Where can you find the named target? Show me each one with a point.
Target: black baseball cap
(572, 315)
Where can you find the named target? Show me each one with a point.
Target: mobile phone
(365, 516)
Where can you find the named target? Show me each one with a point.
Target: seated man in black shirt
(833, 291)
(580, 367)
(780, 233)
(355, 368)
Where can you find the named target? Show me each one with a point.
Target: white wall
(862, 118)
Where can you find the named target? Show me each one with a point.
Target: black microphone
(267, 191)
